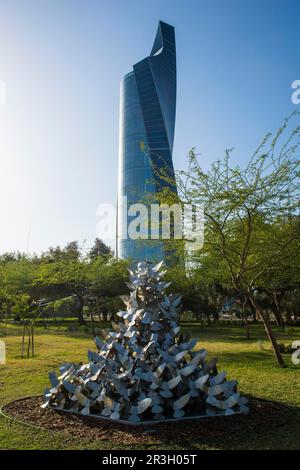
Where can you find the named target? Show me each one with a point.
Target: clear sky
(62, 62)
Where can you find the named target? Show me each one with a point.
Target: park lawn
(250, 362)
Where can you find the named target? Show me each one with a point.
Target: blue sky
(62, 62)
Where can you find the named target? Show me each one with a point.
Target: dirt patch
(263, 417)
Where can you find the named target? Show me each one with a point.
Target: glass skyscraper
(147, 122)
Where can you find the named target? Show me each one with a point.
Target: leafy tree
(64, 277)
(202, 295)
(245, 210)
(72, 250)
(99, 249)
(276, 285)
(108, 281)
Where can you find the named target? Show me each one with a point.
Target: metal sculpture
(145, 370)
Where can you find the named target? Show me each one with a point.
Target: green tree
(64, 277)
(243, 205)
(99, 249)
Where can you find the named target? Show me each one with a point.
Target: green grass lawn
(250, 362)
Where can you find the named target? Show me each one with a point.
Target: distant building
(147, 123)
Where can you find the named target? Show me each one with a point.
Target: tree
(250, 213)
(279, 284)
(64, 273)
(202, 295)
(99, 249)
(107, 280)
(64, 277)
(16, 291)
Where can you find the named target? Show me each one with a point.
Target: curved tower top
(147, 124)
(163, 59)
(156, 82)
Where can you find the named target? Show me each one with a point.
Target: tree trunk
(288, 317)
(247, 326)
(32, 339)
(29, 341)
(245, 319)
(23, 340)
(5, 324)
(93, 323)
(104, 315)
(216, 317)
(268, 329)
(79, 308)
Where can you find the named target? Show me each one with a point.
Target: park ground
(251, 363)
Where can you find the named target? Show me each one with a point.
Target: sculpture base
(146, 422)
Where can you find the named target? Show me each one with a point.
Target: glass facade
(147, 122)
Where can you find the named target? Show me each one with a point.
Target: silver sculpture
(145, 370)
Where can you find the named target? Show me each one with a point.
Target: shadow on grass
(260, 360)
(220, 333)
